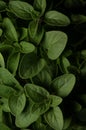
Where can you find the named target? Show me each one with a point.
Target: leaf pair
(39, 103)
(39, 94)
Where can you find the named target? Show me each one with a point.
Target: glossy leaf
(30, 66)
(54, 43)
(55, 18)
(64, 84)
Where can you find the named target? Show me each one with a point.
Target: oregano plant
(43, 65)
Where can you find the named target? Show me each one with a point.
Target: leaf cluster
(42, 65)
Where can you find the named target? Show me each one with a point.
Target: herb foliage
(42, 65)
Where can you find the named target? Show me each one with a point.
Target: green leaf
(36, 93)
(30, 66)
(40, 5)
(73, 4)
(6, 47)
(17, 103)
(83, 70)
(83, 54)
(43, 78)
(64, 64)
(5, 91)
(31, 114)
(5, 105)
(82, 115)
(23, 33)
(1, 113)
(4, 127)
(64, 84)
(78, 19)
(1, 31)
(10, 31)
(54, 118)
(36, 32)
(21, 9)
(8, 79)
(82, 99)
(76, 106)
(67, 122)
(55, 18)
(2, 63)
(26, 47)
(55, 100)
(41, 107)
(13, 61)
(2, 6)
(54, 43)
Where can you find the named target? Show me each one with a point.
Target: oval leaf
(17, 103)
(55, 100)
(30, 66)
(64, 84)
(1, 31)
(40, 5)
(31, 114)
(54, 43)
(36, 32)
(82, 115)
(36, 93)
(2, 63)
(8, 79)
(54, 118)
(13, 61)
(6, 91)
(64, 64)
(55, 18)
(21, 9)
(26, 47)
(2, 6)
(4, 127)
(10, 31)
